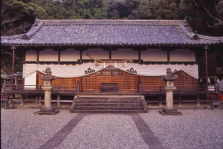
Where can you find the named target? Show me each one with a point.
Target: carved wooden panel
(186, 82)
(152, 83)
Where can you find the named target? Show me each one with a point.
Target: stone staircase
(108, 103)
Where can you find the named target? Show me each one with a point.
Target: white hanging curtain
(78, 70)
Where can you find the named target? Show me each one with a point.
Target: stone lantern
(47, 88)
(169, 78)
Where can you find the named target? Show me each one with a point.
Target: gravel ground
(105, 131)
(195, 129)
(21, 129)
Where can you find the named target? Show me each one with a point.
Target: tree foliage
(18, 15)
(205, 16)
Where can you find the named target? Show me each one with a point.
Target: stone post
(169, 88)
(47, 88)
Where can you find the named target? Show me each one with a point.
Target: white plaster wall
(127, 54)
(48, 55)
(182, 55)
(29, 75)
(30, 55)
(154, 55)
(29, 70)
(69, 55)
(95, 54)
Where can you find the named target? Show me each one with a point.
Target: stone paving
(195, 129)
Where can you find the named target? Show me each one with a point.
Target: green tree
(204, 15)
(86, 8)
(158, 9)
(18, 15)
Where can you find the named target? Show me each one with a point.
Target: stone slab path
(195, 129)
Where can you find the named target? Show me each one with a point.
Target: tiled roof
(110, 33)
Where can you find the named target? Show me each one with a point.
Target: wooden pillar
(81, 55)
(168, 55)
(110, 53)
(206, 69)
(59, 55)
(139, 83)
(13, 59)
(139, 55)
(37, 55)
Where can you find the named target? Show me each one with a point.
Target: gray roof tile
(110, 32)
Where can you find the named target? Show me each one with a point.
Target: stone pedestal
(169, 109)
(169, 97)
(47, 88)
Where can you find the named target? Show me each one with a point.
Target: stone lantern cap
(170, 76)
(48, 75)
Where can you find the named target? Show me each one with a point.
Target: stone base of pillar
(165, 111)
(47, 111)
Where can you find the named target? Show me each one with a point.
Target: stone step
(108, 108)
(105, 107)
(108, 111)
(109, 96)
(108, 99)
(88, 98)
(98, 101)
(108, 104)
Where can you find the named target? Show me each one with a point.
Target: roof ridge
(190, 34)
(33, 30)
(110, 33)
(196, 36)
